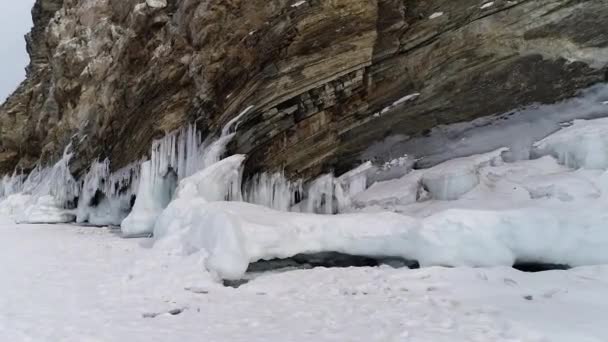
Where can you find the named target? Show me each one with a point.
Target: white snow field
(68, 283)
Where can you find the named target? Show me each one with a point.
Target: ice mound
(584, 144)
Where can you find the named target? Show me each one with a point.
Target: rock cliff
(327, 78)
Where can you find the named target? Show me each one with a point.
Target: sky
(15, 22)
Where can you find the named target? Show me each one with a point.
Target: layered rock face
(326, 78)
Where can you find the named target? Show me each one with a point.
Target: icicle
(320, 197)
(328, 194)
(214, 152)
(273, 190)
(124, 181)
(56, 181)
(11, 185)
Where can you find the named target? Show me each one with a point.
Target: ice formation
(174, 158)
(49, 191)
(219, 182)
(583, 144)
(454, 178)
(153, 195)
(273, 191)
(478, 211)
(12, 184)
(214, 152)
(234, 234)
(329, 195)
(105, 198)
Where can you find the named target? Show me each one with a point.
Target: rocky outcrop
(326, 78)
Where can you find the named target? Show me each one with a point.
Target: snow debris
(157, 3)
(299, 3)
(435, 15)
(487, 5)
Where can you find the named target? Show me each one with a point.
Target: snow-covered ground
(69, 283)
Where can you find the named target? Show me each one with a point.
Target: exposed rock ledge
(327, 78)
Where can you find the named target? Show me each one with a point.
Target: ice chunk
(584, 144)
(45, 209)
(403, 191)
(219, 182)
(13, 206)
(454, 178)
(154, 194)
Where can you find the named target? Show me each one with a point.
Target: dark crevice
(323, 259)
(534, 267)
(329, 260)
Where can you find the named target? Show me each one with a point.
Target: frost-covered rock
(157, 3)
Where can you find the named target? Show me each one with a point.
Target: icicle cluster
(124, 181)
(329, 195)
(274, 191)
(56, 181)
(10, 185)
(179, 151)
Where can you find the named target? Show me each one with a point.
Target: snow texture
(85, 284)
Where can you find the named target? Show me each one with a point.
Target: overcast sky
(15, 22)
